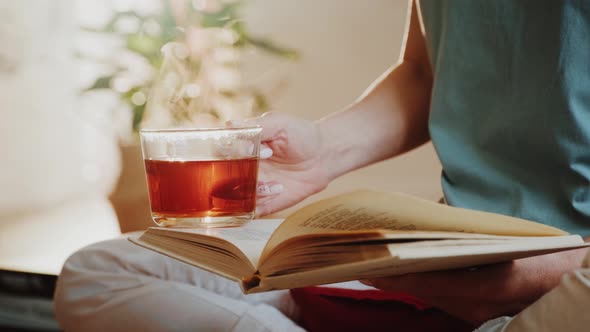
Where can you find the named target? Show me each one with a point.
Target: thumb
(273, 125)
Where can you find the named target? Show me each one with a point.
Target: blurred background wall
(72, 92)
(57, 165)
(60, 155)
(344, 46)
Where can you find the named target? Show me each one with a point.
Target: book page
(250, 238)
(204, 261)
(366, 210)
(412, 257)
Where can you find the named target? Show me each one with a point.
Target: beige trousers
(566, 308)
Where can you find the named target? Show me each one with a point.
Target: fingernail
(276, 188)
(265, 152)
(263, 189)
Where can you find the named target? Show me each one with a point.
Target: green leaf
(270, 47)
(138, 112)
(167, 24)
(143, 44)
(103, 82)
(147, 47)
(260, 103)
(127, 95)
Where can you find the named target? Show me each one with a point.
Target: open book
(359, 235)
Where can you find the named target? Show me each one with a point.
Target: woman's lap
(117, 286)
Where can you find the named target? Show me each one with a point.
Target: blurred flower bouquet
(193, 51)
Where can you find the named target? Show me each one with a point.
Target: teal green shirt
(510, 113)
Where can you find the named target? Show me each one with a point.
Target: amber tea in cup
(201, 177)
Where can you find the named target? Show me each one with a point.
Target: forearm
(391, 118)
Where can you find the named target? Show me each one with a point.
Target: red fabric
(336, 309)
